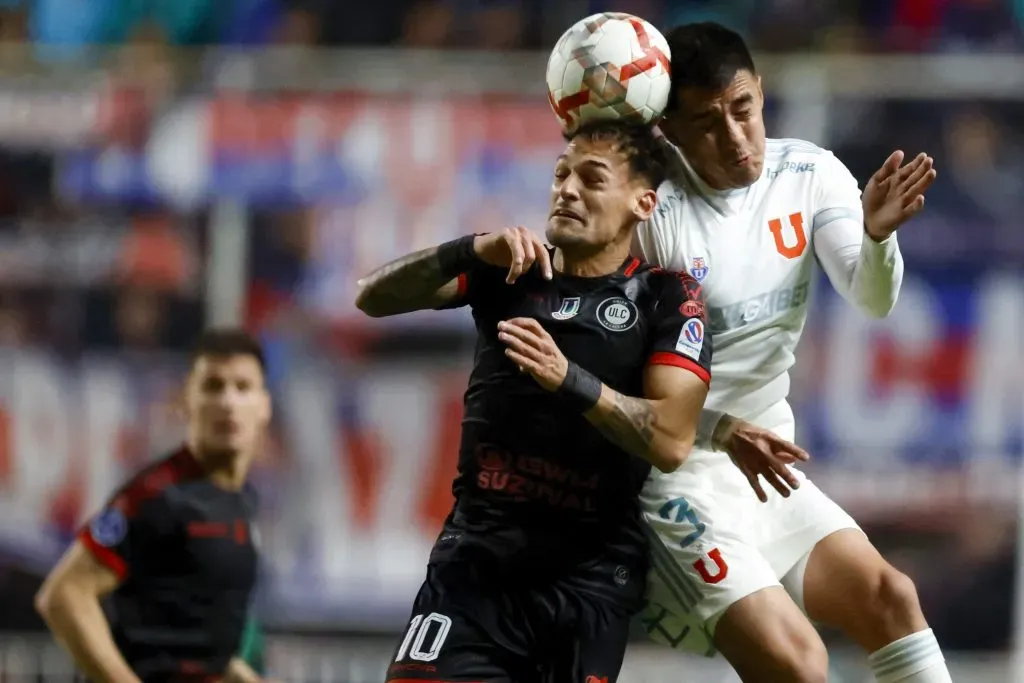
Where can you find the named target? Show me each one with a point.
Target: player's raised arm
(854, 238)
(438, 277)
(69, 600)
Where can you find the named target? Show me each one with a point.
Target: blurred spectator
(979, 25)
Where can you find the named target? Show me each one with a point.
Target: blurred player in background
(174, 546)
(748, 217)
(541, 562)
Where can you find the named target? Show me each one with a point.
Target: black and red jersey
(537, 484)
(185, 553)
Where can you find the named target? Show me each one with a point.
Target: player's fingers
(529, 252)
(519, 332)
(912, 173)
(538, 330)
(544, 258)
(912, 167)
(755, 483)
(914, 207)
(889, 167)
(518, 256)
(787, 475)
(525, 364)
(921, 184)
(777, 483)
(787, 452)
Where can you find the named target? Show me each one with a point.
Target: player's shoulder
(797, 156)
(665, 281)
(156, 479)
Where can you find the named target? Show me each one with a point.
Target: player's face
(722, 132)
(595, 199)
(227, 402)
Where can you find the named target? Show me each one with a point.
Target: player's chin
(747, 173)
(226, 445)
(563, 231)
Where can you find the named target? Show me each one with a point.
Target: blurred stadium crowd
(861, 25)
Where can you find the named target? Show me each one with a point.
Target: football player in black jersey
(173, 548)
(590, 368)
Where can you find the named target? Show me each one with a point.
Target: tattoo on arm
(409, 283)
(631, 423)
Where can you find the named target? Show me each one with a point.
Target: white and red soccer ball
(609, 66)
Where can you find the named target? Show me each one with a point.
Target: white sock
(913, 659)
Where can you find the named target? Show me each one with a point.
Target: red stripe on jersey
(631, 268)
(107, 557)
(667, 358)
(179, 466)
(462, 285)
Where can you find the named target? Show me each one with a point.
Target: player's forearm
(878, 275)
(406, 284)
(637, 426)
(78, 623)
(866, 273)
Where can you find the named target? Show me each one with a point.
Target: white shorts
(713, 542)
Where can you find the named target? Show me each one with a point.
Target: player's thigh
(766, 638)
(701, 563)
(591, 652)
(850, 586)
(792, 528)
(459, 631)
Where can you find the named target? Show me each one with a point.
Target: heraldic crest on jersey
(699, 268)
(570, 307)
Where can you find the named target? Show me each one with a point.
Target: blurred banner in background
(142, 197)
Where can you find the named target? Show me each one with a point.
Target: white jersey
(753, 251)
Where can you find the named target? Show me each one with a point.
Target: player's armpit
(410, 283)
(660, 428)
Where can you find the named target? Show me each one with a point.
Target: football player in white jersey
(748, 217)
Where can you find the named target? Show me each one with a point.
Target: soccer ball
(609, 66)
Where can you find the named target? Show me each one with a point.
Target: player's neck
(225, 470)
(596, 264)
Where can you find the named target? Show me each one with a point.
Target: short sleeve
(837, 195)
(679, 332)
(119, 534)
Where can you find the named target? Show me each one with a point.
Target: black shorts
(469, 627)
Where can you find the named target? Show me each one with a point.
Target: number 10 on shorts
(425, 637)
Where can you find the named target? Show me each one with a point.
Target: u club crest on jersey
(570, 307)
(699, 268)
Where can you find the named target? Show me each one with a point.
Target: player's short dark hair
(638, 142)
(225, 342)
(705, 55)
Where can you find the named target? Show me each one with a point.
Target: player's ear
(760, 90)
(643, 207)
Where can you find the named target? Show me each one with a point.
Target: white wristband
(706, 426)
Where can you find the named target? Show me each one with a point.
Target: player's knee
(802, 660)
(895, 597)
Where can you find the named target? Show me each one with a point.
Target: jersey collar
(628, 267)
(684, 171)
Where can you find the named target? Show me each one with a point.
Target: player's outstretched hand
(516, 249)
(895, 193)
(534, 351)
(760, 453)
